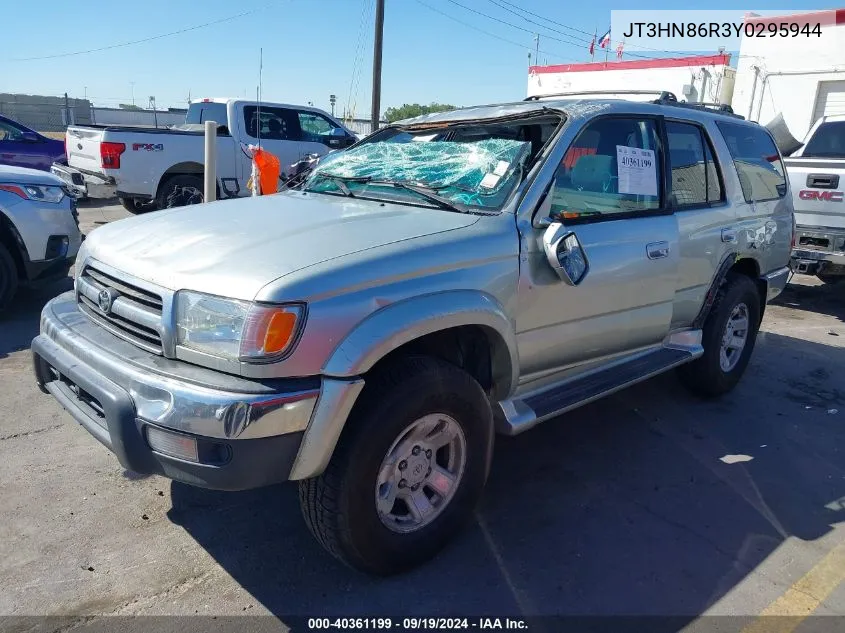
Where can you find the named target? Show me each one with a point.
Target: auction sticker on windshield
(637, 170)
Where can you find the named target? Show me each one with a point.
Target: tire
(830, 279)
(8, 278)
(179, 191)
(135, 206)
(706, 376)
(340, 505)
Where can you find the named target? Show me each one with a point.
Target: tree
(129, 106)
(408, 110)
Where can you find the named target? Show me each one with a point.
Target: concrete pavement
(649, 502)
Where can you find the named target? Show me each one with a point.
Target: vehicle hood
(26, 176)
(234, 248)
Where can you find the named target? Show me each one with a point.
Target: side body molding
(394, 325)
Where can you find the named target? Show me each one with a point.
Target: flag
(619, 50)
(593, 46)
(605, 40)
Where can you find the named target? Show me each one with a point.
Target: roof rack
(664, 97)
(661, 94)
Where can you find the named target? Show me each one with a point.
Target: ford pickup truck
(154, 168)
(447, 278)
(817, 179)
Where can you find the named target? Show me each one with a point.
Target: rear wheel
(728, 339)
(180, 191)
(135, 206)
(8, 278)
(830, 279)
(408, 470)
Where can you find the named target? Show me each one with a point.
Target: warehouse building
(695, 78)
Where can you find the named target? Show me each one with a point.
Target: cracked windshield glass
(467, 168)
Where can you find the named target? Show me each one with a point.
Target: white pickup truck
(817, 180)
(154, 168)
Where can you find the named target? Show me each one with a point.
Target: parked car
(817, 179)
(145, 167)
(22, 147)
(39, 230)
(451, 276)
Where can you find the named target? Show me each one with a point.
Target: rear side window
(828, 141)
(695, 178)
(200, 112)
(757, 162)
(611, 170)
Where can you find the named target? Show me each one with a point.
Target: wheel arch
(737, 264)
(11, 239)
(185, 168)
(467, 328)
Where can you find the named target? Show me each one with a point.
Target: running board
(521, 414)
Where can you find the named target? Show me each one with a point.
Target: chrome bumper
(116, 390)
(83, 185)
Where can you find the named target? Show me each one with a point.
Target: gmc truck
(817, 178)
(155, 168)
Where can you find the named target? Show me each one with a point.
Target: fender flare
(404, 321)
(727, 263)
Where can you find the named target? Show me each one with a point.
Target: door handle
(657, 250)
(729, 236)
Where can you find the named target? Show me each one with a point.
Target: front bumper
(248, 433)
(84, 184)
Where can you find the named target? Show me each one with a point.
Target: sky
(441, 51)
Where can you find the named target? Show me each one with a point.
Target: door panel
(623, 303)
(705, 220)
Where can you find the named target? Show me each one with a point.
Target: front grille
(134, 315)
(88, 402)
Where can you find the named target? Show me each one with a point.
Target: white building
(800, 77)
(697, 78)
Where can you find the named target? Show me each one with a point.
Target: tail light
(110, 154)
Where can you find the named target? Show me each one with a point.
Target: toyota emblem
(105, 300)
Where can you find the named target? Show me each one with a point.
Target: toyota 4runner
(453, 276)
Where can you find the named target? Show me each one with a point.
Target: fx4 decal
(149, 147)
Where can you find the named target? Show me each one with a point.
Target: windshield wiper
(340, 181)
(429, 193)
(424, 192)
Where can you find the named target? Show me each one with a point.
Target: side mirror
(337, 132)
(565, 254)
(29, 137)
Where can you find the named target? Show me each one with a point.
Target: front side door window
(611, 171)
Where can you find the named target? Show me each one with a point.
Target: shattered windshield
(453, 169)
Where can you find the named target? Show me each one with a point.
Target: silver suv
(450, 277)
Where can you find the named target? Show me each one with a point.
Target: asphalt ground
(647, 503)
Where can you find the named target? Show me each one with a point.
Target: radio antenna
(260, 72)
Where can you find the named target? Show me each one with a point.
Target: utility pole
(537, 47)
(132, 83)
(332, 100)
(377, 47)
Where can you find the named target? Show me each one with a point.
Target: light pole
(132, 83)
(332, 100)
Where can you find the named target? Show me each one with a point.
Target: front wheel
(8, 278)
(408, 470)
(730, 332)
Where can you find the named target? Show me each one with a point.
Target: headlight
(234, 329)
(39, 193)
